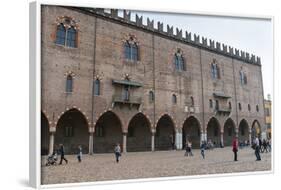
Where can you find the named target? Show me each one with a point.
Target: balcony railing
(133, 100)
(223, 111)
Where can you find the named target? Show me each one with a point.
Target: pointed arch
(191, 131)
(108, 132)
(72, 130)
(165, 133)
(45, 133)
(139, 133)
(243, 131)
(229, 132)
(256, 129)
(213, 131)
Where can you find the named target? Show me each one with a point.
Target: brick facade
(100, 55)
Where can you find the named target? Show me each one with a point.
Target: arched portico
(44, 135)
(213, 131)
(256, 129)
(228, 132)
(108, 132)
(244, 132)
(139, 134)
(71, 131)
(191, 132)
(165, 133)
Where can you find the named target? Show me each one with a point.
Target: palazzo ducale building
(107, 79)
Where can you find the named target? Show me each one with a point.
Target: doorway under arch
(229, 132)
(139, 134)
(165, 133)
(213, 131)
(45, 135)
(72, 131)
(191, 132)
(108, 132)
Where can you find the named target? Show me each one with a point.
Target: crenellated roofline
(212, 46)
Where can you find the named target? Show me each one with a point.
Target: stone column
(91, 143)
(202, 137)
(178, 140)
(152, 141)
(124, 142)
(222, 143)
(51, 144)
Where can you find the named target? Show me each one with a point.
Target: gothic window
(239, 106)
(131, 49)
(257, 108)
(192, 101)
(179, 61)
(61, 33)
(66, 33)
(229, 105)
(174, 99)
(97, 87)
(249, 107)
(69, 84)
(151, 96)
(217, 105)
(243, 77)
(215, 70)
(211, 103)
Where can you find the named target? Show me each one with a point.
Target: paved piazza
(152, 164)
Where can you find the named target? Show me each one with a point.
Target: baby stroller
(52, 159)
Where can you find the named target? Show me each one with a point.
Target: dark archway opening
(139, 134)
(191, 132)
(228, 132)
(243, 135)
(165, 134)
(213, 132)
(256, 130)
(45, 135)
(72, 131)
(108, 132)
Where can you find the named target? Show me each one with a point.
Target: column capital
(52, 129)
(91, 129)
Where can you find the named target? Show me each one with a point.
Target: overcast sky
(248, 34)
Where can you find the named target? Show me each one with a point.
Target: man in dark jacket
(62, 154)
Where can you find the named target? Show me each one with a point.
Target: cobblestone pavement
(133, 165)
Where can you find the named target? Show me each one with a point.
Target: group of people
(51, 160)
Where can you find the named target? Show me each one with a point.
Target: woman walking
(235, 147)
(117, 151)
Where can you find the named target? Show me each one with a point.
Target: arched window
(60, 35)
(69, 84)
(71, 37)
(192, 101)
(151, 96)
(249, 107)
(99, 131)
(68, 131)
(239, 106)
(229, 105)
(215, 71)
(257, 108)
(179, 61)
(243, 77)
(66, 33)
(131, 49)
(174, 99)
(217, 105)
(97, 87)
(211, 103)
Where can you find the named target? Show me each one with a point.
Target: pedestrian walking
(117, 151)
(61, 149)
(189, 145)
(79, 155)
(264, 144)
(202, 148)
(257, 148)
(235, 147)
